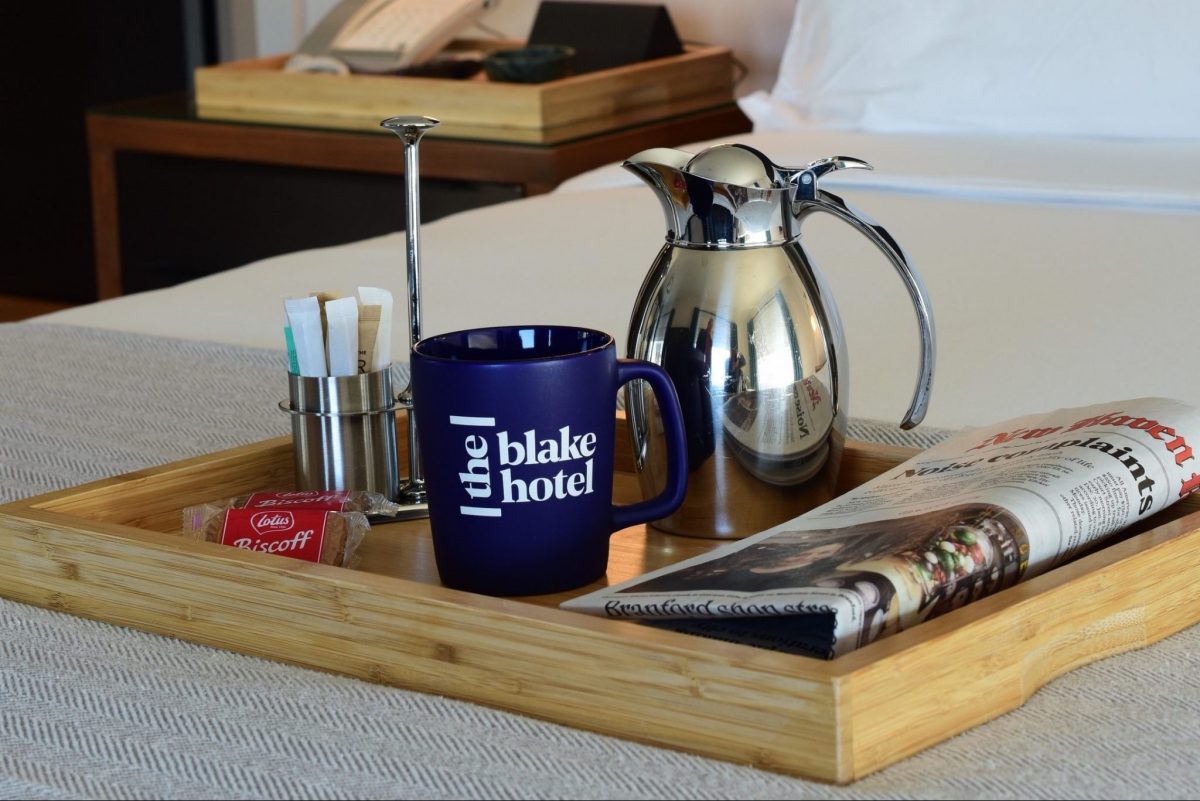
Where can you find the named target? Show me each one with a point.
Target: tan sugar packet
(382, 356)
(368, 330)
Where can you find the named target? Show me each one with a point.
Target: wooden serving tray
(108, 550)
(258, 90)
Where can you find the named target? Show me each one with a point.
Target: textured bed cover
(98, 711)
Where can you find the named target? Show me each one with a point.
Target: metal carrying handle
(410, 130)
(809, 198)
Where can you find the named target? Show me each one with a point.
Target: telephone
(383, 35)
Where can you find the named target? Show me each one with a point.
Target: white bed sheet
(1061, 272)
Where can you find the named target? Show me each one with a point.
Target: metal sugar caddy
(344, 427)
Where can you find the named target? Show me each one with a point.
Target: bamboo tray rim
(34, 509)
(840, 677)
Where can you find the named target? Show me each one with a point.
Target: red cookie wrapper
(313, 535)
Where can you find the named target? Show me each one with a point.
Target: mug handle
(671, 498)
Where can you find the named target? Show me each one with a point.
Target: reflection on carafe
(760, 419)
(739, 317)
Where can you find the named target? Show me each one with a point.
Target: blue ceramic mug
(516, 428)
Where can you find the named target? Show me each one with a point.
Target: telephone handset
(383, 35)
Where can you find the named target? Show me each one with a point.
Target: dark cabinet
(56, 61)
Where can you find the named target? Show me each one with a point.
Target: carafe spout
(662, 168)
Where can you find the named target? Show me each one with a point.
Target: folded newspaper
(972, 516)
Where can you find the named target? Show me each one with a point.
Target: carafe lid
(727, 196)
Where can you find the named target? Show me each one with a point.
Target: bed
(1038, 254)
(1061, 265)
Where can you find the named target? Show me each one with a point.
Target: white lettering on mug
(564, 449)
(477, 480)
(562, 485)
(524, 450)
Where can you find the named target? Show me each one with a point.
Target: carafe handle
(810, 198)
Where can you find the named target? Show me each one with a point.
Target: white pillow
(1107, 68)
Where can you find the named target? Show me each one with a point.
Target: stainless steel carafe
(736, 312)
